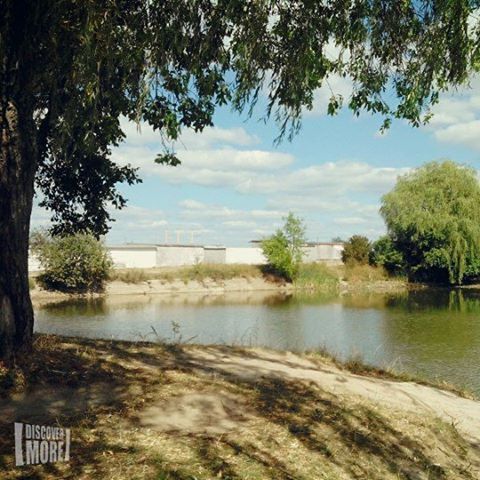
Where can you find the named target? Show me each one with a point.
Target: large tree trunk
(18, 153)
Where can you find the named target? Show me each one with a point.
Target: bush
(283, 250)
(356, 250)
(384, 254)
(76, 263)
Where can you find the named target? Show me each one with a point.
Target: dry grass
(197, 272)
(358, 366)
(364, 273)
(317, 276)
(293, 430)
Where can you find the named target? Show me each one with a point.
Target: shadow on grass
(93, 387)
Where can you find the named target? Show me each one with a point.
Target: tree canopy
(356, 250)
(78, 67)
(433, 217)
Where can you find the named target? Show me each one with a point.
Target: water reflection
(432, 332)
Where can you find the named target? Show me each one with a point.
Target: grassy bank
(186, 274)
(313, 277)
(356, 365)
(145, 411)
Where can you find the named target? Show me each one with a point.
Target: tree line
(432, 216)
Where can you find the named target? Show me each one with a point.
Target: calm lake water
(434, 333)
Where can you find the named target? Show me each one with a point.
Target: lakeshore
(220, 280)
(142, 410)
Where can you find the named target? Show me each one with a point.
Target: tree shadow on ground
(99, 388)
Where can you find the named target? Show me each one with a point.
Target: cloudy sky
(234, 185)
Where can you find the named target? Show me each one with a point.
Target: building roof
(152, 245)
(311, 244)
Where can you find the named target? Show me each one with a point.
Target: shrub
(76, 263)
(283, 250)
(356, 250)
(384, 254)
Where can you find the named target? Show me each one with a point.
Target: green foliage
(283, 250)
(433, 217)
(384, 254)
(76, 263)
(356, 250)
(170, 63)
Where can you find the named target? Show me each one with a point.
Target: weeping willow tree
(71, 70)
(433, 217)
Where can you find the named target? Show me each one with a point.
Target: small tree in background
(356, 250)
(384, 254)
(74, 263)
(283, 250)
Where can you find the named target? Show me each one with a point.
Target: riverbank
(147, 411)
(222, 279)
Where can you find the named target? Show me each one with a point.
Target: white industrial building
(139, 255)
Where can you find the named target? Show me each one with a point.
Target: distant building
(328, 252)
(146, 255)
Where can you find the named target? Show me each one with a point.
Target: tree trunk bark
(18, 162)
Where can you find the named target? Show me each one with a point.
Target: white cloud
(142, 134)
(133, 217)
(456, 118)
(326, 179)
(463, 133)
(334, 85)
(350, 221)
(226, 158)
(214, 157)
(194, 209)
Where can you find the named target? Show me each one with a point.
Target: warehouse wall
(215, 255)
(133, 257)
(170, 256)
(247, 256)
(150, 256)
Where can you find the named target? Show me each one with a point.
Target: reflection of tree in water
(80, 307)
(369, 300)
(456, 300)
(437, 333)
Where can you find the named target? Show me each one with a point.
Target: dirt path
(463, 413)
(226, 412)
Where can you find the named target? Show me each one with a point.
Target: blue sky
(235, 185)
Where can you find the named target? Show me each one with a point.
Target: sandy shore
(150, 411)
(208, 286)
